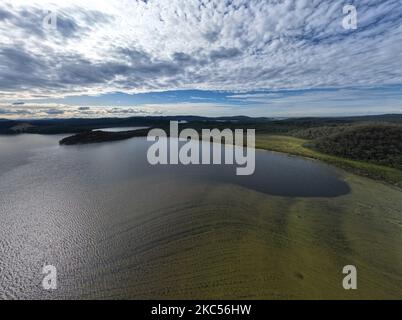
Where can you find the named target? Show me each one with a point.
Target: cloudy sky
(203, 57)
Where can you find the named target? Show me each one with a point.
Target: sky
(274, 58)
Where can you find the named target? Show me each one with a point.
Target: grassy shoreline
(298, 147)
(271, 142)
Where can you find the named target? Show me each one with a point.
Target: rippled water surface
(110, 222)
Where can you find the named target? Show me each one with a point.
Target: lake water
(109, 221)
(120, 129)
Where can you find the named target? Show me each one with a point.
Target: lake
(115, 226)
(120, 129)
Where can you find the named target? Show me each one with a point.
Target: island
(99, 136)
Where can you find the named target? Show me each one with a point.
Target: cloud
(141, 46)
(54, 112)
(280, 103)
(323, 102)
(14, 112)
(50, 110)
(224, 53)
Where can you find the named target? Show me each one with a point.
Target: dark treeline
(262, 125)
(376, 143)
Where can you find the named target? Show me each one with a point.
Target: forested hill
(313, 127)
(376, 143)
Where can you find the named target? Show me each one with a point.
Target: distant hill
(77, 125)
(309, 127)
(6, 125)
(382, 117)
(376, 143)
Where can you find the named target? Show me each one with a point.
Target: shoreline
(275, 143)
(296, 147)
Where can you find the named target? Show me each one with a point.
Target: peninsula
(99, 136)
